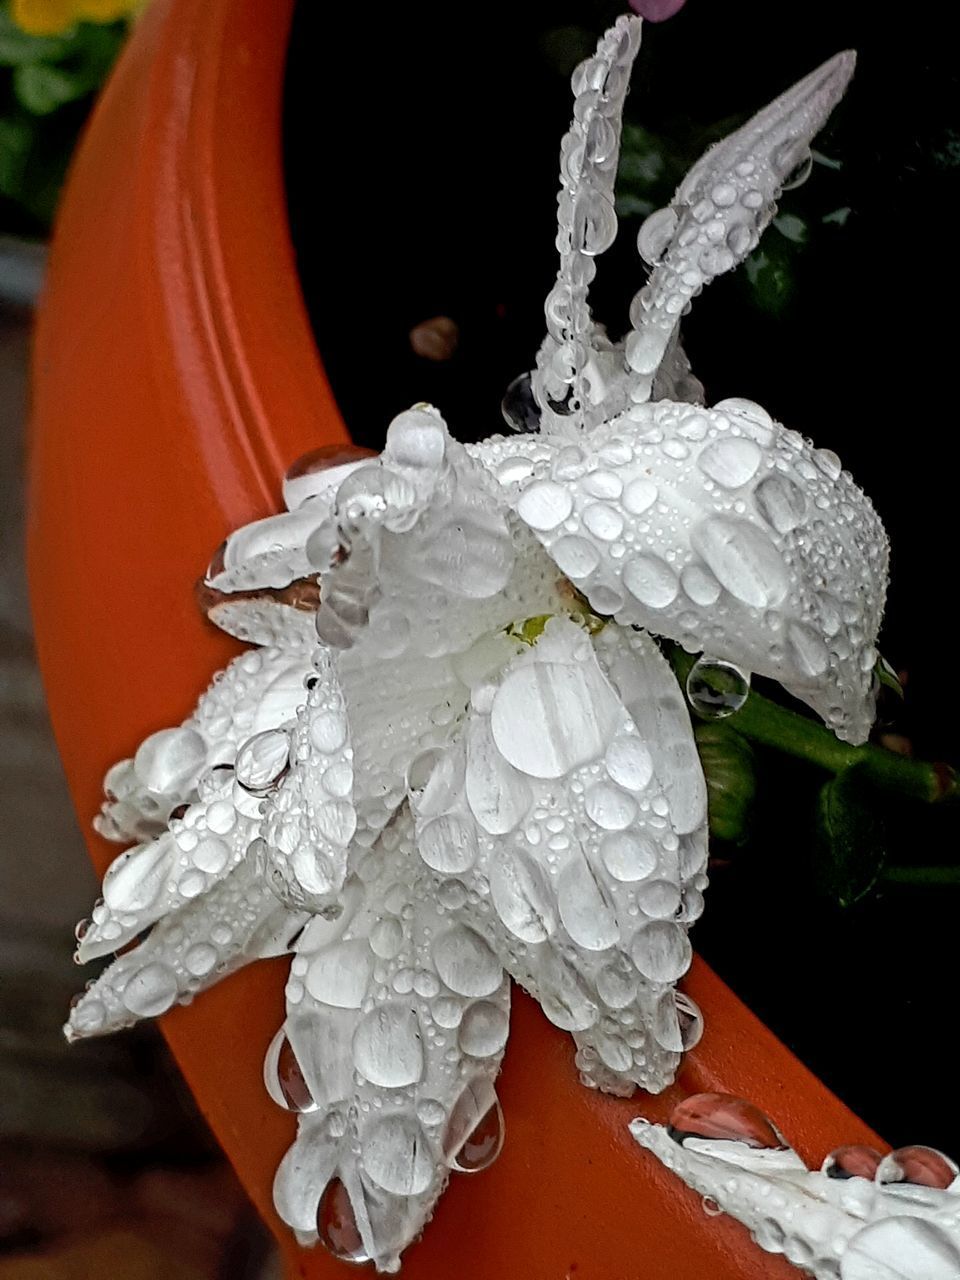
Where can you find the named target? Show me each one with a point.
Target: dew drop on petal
(544, 505)
(200, 959)
(263, 760)
(575, 557)
(781, 502)
(609, 806)
(386, 938)
(690, 1019)
(340, 974)
(658, 899)
(716, 689)
(151, 990)
(397, 1156)
(731, 461)
(448, 844)
(337, 1225)
(387, 1047)
(320, 471)
(629, 763)
(917, 1166)
(721, 1116)
(627, 855)
(661, 951)
(520, 896)
(284, 1079)
(743, 559)
(210, 855)
(483, 1029)
(585, 910)
(650, 580)
(465, 962)
(475, 1132)
(700, 585)
(169, 759)
(852, 1161)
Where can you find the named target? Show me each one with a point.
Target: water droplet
(465, 962)
(798, 168)
(690, 1019)
(658, 899)
(629, 763)
(594, 222)
(853, 1161)
(397, 1156)
(701, 586)
(210, 855)
(200, 959)
(448, 844)
(576, 557)
(387, 1047)
(519, 406)
(650, 580)
(262, 761)
(585, 909)
(476, 1131)
(520, 896)
(564, 994)
(549, 717)
(917, 1166)
(483, 1029)
(716, 689)
(386, 938)
(661, 951)
(169, 760)
(609, 807)
(82, 929)
(628, 855)
(151, 990)
(544, 505)
(617, 983)
(339, 976)
(743, 559)
(721, 1117)
(337, 1225)
(781, 502)
(731, 461)
(603, 521)
(328, 731)
(654, 237)
(809, 652)
(284, 1079)
(135, 879)
(498, 794)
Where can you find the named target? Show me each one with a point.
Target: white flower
(487, 767)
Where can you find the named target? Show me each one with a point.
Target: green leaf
(15, 140)
(727, 760)
(851, 846)
(41, 88)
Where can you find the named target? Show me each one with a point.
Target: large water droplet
(716, 689)
(483, 1029)
(690, 1019)
(151, 990)
(628, 855)
(744, 560)
(263, 760)
(339, 975)
(585, 909)
(651, 580)
(544, 505)
(387, 1047)
(611, 808)
(629, 763)
(594, 222)
(575, 557)
(720, 1116)
(852, 1161)
(655, 235)
(781, 502)
(397, 1155)
(135, 879)
(498, 795)
(448, 844)
(169, 759)
(475, 1132)
(730, 461)
(917, 1166)
(661, 951)
(548, 718)
(521, 897)
(465, 962)
(284, 1078)
(320, 472)
(519, 406)
(337, 1225)
(564, 995)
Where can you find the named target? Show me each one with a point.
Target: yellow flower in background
(52, 17)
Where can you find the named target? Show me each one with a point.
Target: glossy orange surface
(175, 376)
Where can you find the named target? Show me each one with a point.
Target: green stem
(765, 722)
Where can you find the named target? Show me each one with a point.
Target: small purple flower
(656, 10)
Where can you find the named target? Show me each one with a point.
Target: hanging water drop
(263, 760)
(717, 689)
(519, 407)
(476, 1130)
(721, 1117)
(852, 1161)
(284, 1078)
(337, 1225)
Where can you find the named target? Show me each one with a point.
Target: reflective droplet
(587, 913)
(386, 938)
(483, 1029)
(544, 505)
(781, 502)
(262, 761)
(628, 855)
(701, 586)
(798, 168)
(448, 844)
(661, 951)
(722, 1117)
(340, 974)
(465, 962)
(210, 855)
(654, 237)
(284, 1079)
(200, 959)
(476, 1131)
(810, 653)
(716, 689)
(650, 580)
(731, 461)
(575, 557)
(328, 731)
(169, 759)
(853, 1161)
(594, 222)
(387, 1047)
(743, 559)
(918, 1166)
(337, 1225)
(564, 994)
(658, 899)
(151, 990)
(690, 1019)
(629, 763)
(320, 471)
(639, 496)
(397, 1156)
(617, 983)
(521, 897)
(519, 406)
(609, 807)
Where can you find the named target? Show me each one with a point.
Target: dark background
(422, 146)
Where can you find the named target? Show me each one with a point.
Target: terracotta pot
(175, 375)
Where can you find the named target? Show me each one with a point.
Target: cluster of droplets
(861, 1216)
